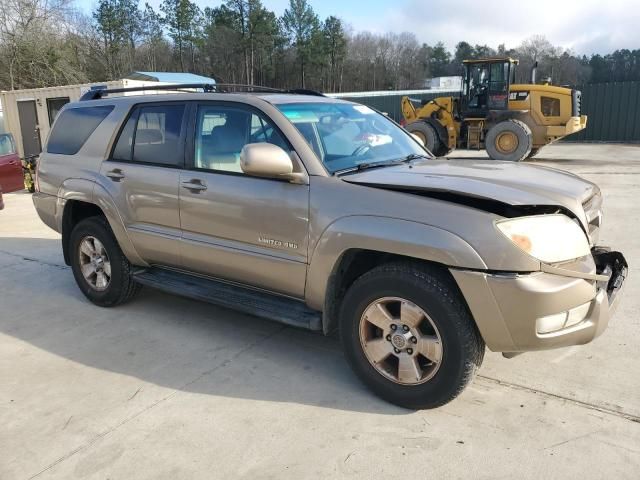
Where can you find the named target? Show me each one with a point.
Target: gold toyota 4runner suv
(326, 215)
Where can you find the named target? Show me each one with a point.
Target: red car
(11, 176)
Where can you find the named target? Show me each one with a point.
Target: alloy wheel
(400, 341)
(94, 263)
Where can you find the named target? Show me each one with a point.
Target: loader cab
(486, 85)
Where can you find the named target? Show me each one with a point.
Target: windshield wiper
(367, 165)
(414, 156)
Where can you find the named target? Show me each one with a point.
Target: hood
(485, 181)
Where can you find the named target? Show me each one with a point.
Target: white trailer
(29, 114)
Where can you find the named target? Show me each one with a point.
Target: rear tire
(429, 137)
(446, 345)
(509, 140)
(92, 247)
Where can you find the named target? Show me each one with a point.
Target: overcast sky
(585, 26)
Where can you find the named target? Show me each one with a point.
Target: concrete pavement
(166, 387)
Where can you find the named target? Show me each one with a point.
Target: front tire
(101, 270)
(509, 140)
(408, 335)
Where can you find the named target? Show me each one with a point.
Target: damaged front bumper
(553, 308)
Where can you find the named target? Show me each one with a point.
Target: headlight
(549, 238)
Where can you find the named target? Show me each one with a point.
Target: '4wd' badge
(272, 242)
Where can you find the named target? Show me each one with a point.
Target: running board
(254, 302)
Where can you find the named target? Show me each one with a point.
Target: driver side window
(222, 132)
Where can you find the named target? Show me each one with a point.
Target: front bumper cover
(506, 306)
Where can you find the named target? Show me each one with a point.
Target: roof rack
(101, 91)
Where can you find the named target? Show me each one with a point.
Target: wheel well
(352, 264)
(74, 212)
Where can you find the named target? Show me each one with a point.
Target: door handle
(13, 162)
(116, 174)
(194, 185)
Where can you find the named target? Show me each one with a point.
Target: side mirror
(417, 139)
(268, 161)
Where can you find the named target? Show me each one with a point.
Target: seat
(221, 150)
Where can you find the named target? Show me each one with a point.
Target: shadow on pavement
(172, 341)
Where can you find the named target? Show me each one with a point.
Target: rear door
(142, 177)
(236, 227)
(11, 177)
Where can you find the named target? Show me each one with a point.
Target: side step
(254, 302)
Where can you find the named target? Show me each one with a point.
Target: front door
(29, 128)
(499, 86)
(11, 176)
(142, 176)
(236, 227)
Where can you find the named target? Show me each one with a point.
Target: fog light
(558, 321)
(551, 323)
(576, 315)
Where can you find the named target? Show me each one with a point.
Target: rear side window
(550, 106)
(74, 127)
(152, 134)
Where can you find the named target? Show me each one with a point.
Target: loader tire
(428, 136)
(509, 140)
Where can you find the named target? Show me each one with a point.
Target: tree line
(48, 43)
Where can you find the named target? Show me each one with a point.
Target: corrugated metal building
(29, 114)
(613, 110)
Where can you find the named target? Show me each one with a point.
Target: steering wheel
(361, 150)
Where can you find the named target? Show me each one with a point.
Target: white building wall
(10, 99)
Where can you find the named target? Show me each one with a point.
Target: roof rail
(100, 91)
(304, 91)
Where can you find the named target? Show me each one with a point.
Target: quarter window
(550, 106)
(153, 134)
(74, 127)
(222, 132)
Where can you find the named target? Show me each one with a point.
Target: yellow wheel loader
(511, 121)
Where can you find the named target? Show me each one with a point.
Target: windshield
(6, 144)
(345, 135)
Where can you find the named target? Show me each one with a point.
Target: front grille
(576, 103)
(593, 211)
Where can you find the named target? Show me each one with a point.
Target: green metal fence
(613, 109)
